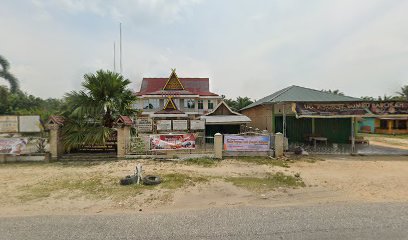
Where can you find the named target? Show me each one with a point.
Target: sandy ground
(390, 142)
(344, 179)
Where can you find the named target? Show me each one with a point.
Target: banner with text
(350, 109)
(246, 143)
(172, 142)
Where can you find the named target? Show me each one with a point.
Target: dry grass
(268, 183)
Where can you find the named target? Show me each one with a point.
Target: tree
(90, 113)
(404, 92)
(238, 103)
(242, 102)
(4, 73)
(336, 91)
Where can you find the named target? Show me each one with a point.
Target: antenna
(114, 57)
(120, 47)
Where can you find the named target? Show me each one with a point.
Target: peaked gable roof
(173, 83)
(301, 94)
(170, 108)
(222, 109)
(222, 114)
(176, 85)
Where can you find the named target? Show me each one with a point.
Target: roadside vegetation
(267, 183)
(100, 186)
(202, 162)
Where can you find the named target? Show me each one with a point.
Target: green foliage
(21, 103)
(404, 92)
(238, 103)
(10, 78)
(336, 92)
(90, 113)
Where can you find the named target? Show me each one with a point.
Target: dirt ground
(92, 187)
(399, 142)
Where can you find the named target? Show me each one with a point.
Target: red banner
(172, 142)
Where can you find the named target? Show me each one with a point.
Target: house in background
(275, 113)
(192, 96)
(384, 125)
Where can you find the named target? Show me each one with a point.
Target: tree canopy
(90, 113)
(6, 75)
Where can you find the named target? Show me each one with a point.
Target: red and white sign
(172, 142)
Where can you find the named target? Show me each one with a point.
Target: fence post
(123, 140)
(56, 146)
(218, 145)
(279, 146)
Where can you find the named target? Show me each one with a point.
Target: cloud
(247, 48)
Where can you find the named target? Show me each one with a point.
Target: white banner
(144, 124)
(246, 143)
(30, 124)
(8, 124)
(179, 124)
(163, 125)
(197, 124)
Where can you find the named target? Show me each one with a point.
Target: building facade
(192, 96)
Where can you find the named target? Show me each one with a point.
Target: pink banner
(172, 142)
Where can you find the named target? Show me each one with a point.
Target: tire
(151, 180)
(128, 180)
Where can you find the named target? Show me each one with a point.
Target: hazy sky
(247, 48)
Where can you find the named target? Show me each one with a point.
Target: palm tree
(404, 92)
(90, 113)
(336, 92)
(4, 73)
(242, 102)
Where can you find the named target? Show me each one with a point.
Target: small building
(192, 96)
(276, 113)
(223, 120)
(384, 125)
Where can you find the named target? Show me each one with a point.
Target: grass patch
(202, 162)
(265, 161)
(270, 182)
(178, 180)
(99, 187)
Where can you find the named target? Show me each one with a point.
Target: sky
(246, 48)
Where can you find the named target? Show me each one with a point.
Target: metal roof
(301, 94)
(225, 119)
(192, 86)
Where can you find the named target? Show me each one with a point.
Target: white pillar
(218, 146)
(279, 147)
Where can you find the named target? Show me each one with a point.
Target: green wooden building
(275, 113)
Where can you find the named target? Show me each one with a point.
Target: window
(383, 124)
(401, 124)
(200, 104)
(151, 104)
(210, 104)
(189, 103)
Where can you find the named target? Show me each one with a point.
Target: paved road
(368, 221)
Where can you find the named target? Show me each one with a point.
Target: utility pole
(120, 47)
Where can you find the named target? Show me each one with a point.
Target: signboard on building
(144, 124)
(172, 141)
(246, 143)
(163, 125)
(197, 124)
(30, 124)
(350, 109)
(180, 125)
(8, 124)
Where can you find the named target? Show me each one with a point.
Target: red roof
(54, 119)
(192, 86)
(126, 120)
